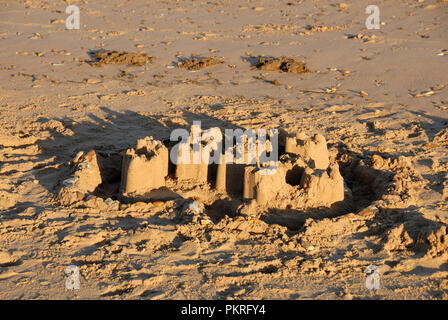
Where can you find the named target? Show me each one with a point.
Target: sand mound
(120, 57)
(283, 64)
(199, 63)
(441, 138)
(398, 239)
(438, 241)
(7, 259)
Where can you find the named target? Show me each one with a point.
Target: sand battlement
(302, 177)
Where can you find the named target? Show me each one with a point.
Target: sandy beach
(362, 122)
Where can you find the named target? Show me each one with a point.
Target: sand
(363, 174)
(101, 58)
(198, 63)
(283, 64)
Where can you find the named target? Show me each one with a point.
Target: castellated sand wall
(302, 177)
(145, 167)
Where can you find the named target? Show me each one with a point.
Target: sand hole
(294, 175)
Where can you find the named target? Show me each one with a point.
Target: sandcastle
(145, 167)
(302, 177)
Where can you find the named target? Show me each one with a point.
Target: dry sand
(367, 185)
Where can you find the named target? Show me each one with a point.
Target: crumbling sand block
(145, 168)
(85, 178)
(323, 187)
(67, 196)
(88, 174)
(260, 186)
(313, 150)
(438, 241)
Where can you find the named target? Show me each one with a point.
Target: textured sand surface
(379, 97)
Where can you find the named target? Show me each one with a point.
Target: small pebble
(70, 182)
